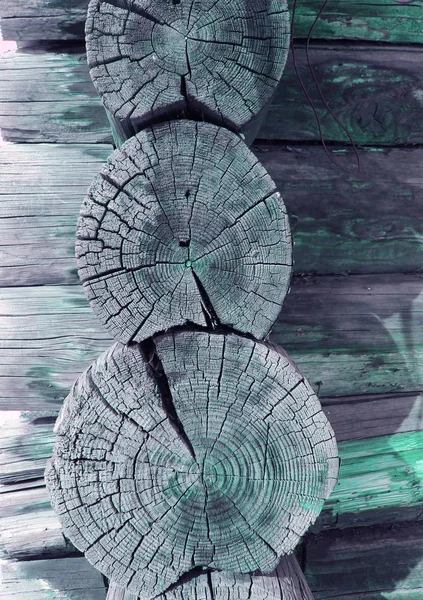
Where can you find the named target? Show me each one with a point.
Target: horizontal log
(67, 579)
(377, 20)
(375, 92)
(358, 224)
(372, 563)
(49, 97)
(380, 445)
(349, 335)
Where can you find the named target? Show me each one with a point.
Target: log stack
(192, 455)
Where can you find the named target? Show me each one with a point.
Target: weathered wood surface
(380, 443)
(374, 563)
(377, 20)
(287, 582)
(369, 223)
(182, 214)
(375, 91)
(349, 335)
(38, 221)
(64, 579)
(49, 97)
(192, 450)
(212, 61)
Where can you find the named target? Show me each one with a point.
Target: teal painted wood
(380, 477)
(351, 224)
(375, 91)
(183, 478)
(362, 20)
(349, 335)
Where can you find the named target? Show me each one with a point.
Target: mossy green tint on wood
(362, 20)
(204, 450)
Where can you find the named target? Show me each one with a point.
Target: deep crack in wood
(143, 507)
(184, 225)
(212, 60)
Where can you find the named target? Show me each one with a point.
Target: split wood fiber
(184, 225)
(198, 450)
(213, 60)
(188, 452)
(287, 582)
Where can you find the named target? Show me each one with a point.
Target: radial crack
(149, 351)
(210, 315)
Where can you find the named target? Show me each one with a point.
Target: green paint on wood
(379, 473)
(375, 93)
(362, 20)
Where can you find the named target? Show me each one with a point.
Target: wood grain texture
(380, 445)
(361, 224)
(150, 493)
(47, 96)
(349, 335)
(374, 563)
(67, 579)
(287, 582)
(184, 225)
(376, 91)
(361, 20)
(38, 222)
(212, 61)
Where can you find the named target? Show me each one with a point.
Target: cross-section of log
(184, 225)
(287, 582)
(198, 450)
(212, 60)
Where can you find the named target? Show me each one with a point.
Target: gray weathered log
(361, 334)
(380, 461)
(375, 91)
(287, 582)
(214, 61)
(345, 224)
(369, 563)
(375, 20)
(198, 450)
(64, 579)
(184, 225)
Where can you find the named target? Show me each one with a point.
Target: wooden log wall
(352, 321)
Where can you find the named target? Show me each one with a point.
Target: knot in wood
(184, 225)
(218, 457)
